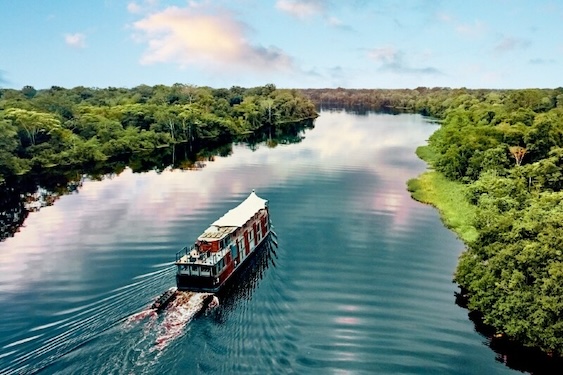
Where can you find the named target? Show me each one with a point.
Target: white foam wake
(179, 313)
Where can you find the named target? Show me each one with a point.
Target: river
(360, 282)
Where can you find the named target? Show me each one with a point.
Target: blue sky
(291, 43)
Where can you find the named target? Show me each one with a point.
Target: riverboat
(223, 247)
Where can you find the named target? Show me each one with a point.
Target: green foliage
(505, 151)
(80, 126)
(500, 152)
(513, 271)
(449, 198)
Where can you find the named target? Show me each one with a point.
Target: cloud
(474, 30)
(133, 7)
(212, 40)
(76, 40)
(444, 17)
(305, 9)
(301, 8)
(142, 6)
(468, 30)
(393, 60)
(510, 43)
(540, 61)
(334, 21)
(337, 23)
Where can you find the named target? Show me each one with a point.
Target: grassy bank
(447, 196)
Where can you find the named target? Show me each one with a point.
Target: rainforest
(496, 167)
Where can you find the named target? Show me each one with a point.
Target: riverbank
(449, 197)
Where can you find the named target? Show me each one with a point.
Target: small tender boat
(165, 298)
(223, 247)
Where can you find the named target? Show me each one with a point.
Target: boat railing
(184, 251)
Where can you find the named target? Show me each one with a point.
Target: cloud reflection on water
(59, 241)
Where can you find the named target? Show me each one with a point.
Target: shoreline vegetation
(496, 167)
(497, 179)
(448, 197)
(82, 126)
(53, 139)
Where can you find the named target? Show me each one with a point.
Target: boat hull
(212, 285)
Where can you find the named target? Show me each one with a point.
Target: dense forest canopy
(80, 126)
(504, 146)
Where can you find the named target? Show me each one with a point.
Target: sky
(290, 43)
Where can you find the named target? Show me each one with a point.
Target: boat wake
(169, 323)
(67, 330)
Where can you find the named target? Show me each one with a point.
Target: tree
(9, 143)
(29, 91)
(31, 122)
(545, 133)
(518, 153)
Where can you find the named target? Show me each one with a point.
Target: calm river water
(360, 282)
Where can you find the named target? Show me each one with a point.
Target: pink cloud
(189, 36)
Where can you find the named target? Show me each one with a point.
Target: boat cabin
(222, 247)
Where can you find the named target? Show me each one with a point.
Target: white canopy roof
(243, 212)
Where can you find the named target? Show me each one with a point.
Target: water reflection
(510, 353)
(30, 193)
(247, 279)
(362, 277)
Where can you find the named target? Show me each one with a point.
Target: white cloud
(213, 40)
(510, 43)
(133, 7)
(333, 21)
(142, 6)
(76, 40)
(474, 30)
(469, 30)
(384, 54)
(393, 60)
(444, 17)
(541, 61)
(301, 8)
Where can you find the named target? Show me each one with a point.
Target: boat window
(234, 251)
(205, 271)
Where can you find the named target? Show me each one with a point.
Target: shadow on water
(511, 353)
(242, 285)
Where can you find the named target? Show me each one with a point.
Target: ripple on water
(360, 283)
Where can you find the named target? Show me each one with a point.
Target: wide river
(361, 282)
